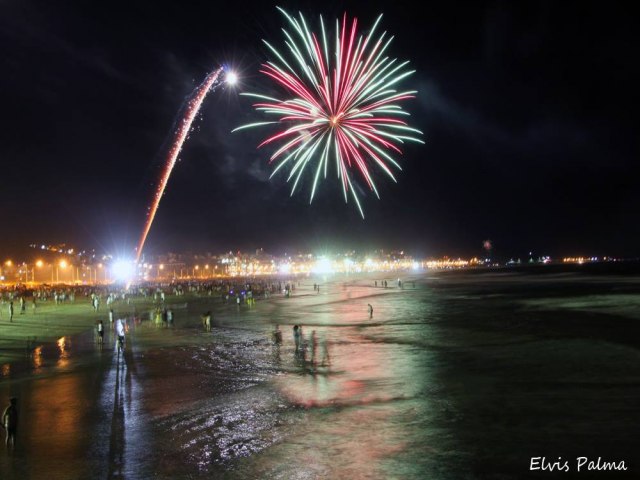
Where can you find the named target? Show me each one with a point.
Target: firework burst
(341, 105)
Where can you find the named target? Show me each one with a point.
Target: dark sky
(527, 109)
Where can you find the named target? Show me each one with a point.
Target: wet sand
(459, 377)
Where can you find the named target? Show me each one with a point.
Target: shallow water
(463, 376)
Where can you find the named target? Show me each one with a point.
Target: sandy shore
(49, 322)
(465, 376)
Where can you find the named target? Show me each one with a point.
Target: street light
(26, 273)
(39, 264)
(61, 264)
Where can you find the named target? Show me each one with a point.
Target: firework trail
(340, 105)
(191, 109)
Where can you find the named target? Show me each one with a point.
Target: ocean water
(457, 375)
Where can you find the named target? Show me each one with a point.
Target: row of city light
(582, 259)
(126, 270)
(39, 263)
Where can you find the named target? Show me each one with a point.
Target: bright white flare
(231, 78)
(323, 266)
(123, 270)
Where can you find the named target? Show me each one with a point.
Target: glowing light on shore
(579, 260)
(323, 266)
(447, 263)
(62, 345)
(284, 268)
(123, 270)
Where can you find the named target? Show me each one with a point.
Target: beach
(454, 375)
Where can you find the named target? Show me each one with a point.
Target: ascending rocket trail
(183, 127)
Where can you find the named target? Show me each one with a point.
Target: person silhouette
(277, 335)
(297, 332)
(10, 421)
(100, 332)
(120, 331)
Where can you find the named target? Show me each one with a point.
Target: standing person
(297, 332)
(314, 346)
(33, 304)
(100, 329)
(22, 308)
(169, 317)
(206, 321)
(111, 318)
(10, 421)
(325, 351)
(120, 333)
(277, 335)
(11, 311)
(370, 310)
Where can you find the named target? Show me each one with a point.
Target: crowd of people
(310, 353)
(228, 289)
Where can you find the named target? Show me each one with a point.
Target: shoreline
(184, 403)
(50, 321)
(31, 334)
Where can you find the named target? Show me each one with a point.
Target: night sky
(527, 109)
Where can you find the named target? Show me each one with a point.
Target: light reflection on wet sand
(408, 393)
